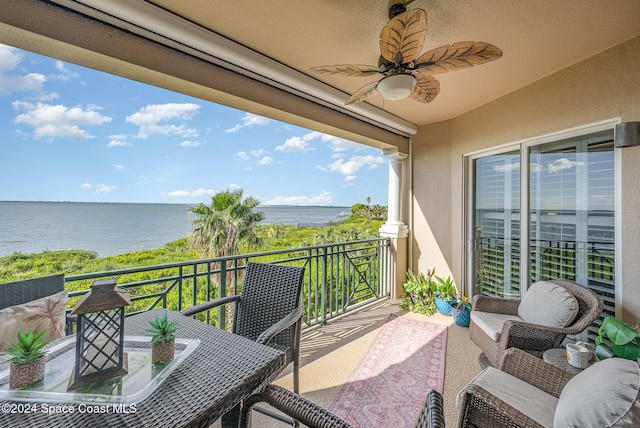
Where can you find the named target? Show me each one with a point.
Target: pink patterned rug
(391, 382)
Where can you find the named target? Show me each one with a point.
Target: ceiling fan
(405, 72)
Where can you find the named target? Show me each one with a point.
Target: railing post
(323, 302)
(179, 290)
(222, 313)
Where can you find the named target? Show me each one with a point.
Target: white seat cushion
(491, 323)
(548, 304)
(603, 395)
(526, 398)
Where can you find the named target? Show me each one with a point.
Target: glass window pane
(496, 243)
(571, 201)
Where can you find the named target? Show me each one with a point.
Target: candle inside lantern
(101, 352)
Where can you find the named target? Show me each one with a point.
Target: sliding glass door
(567, 195)
(496, 231)
(571, 220)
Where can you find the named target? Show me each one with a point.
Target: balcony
(329, 353)
(346, 298)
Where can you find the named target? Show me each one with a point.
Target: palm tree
(220, 228)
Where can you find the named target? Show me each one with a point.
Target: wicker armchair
(311, 415)
(529, 392)
(533, 338)
(27, 290)
(481, 408)
(268, 310)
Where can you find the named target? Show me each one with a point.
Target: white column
(394, 227)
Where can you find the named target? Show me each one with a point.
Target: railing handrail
(82, 276)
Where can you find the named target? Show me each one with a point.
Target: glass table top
(140, 381)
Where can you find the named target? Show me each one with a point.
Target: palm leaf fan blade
(404, 35)
(362, 93)
(356, 70)
(457, 56)
(426, 89)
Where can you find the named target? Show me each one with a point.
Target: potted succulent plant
(461, 311)
(163, 335)
(622, 340)
(445, 295)
(28, 361)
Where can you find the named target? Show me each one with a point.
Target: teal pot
(461, 314)
(443, 306)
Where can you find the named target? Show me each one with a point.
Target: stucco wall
(606, 86)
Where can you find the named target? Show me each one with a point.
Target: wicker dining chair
(26, 290)
(304, 411)
(511, 331)
(268, 310)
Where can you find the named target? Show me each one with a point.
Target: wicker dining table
(212, 381)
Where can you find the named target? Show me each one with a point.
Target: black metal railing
(338, 277)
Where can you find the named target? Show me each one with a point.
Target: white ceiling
(537, 37)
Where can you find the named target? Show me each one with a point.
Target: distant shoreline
(171, 203)
(111, 228)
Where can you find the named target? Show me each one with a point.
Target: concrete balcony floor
(329, 354)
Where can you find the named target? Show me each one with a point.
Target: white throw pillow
(47, 313)
(603, 395)
(548, 304)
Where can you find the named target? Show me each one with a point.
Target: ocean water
(116, 228)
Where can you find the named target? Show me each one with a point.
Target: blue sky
(70, 133)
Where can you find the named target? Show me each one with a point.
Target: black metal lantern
(100, 336)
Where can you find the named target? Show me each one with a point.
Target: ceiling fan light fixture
(396, 86)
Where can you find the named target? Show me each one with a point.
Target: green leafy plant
(622, 340)
(163, 330)
(28, 348)
(420, 287)
(446, 289)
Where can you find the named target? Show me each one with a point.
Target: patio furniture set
(229, 373)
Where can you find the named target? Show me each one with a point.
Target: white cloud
(190, 143)
(86, 186)
(339, 145)
(302, 144)
(253, 154)
(192, 193)
(514, 166)
(265, 161)
(104, 188)
(562, 164)
(118, 141)
(156, 113)
(118, 168)
(242, 155)
(353, 165)
(59, 121)
(249, 120)
(296, 144)
(64, 74)
(536, 168)
(146, 131)
(149, 119)
(10, 59)
(324, 198)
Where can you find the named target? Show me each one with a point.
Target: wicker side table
(558, 358)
